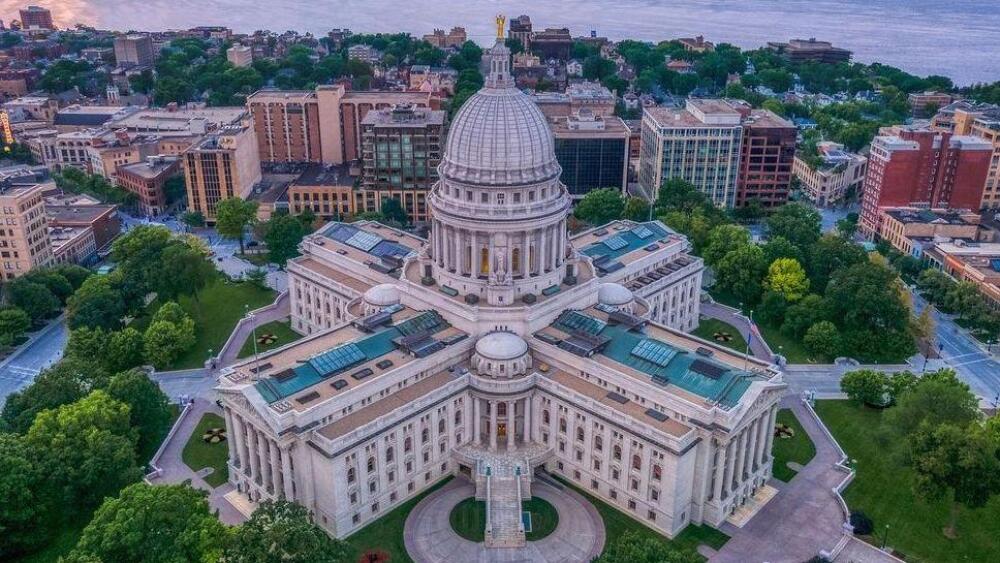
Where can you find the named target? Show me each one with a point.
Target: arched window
(350, 475)
(562, 424)
(579, 434)
(617, 452)
(441, 426)
(484, 261)
(501, 409)
(371, 464)
(657, 473)
(388, 454)
(515, 259)
(458, 417)
(598, 443)
(636, 462)
(545, 417)
(408, 444)
(425, 435)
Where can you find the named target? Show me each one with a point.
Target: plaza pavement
(758, 347)
(429, 538)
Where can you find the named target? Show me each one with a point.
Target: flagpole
(746, 359)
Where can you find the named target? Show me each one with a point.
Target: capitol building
(501, 350)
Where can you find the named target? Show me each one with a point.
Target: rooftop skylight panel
(615, 243)
(364, 241)
(642, 231)
(654, 351)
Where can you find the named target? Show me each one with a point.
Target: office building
(240, 55)
(36, 17)
(224, 164)
(552, 43)
(134, 49)
(923, 168)
(24, 242)
(696, 44)
(592, 151)
(520, 29)
(837, 174)
(331, 192)
(400, 153)
(768, 153)
(926, 104)
(811, 50)
(147, 180)
(453, 39)
(986, 126)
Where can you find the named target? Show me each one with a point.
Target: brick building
(766, 159)
(147, 180)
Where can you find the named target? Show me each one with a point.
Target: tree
(797, 222)
(722, 240)
(636, 209)
(802, 315)
(22, 521)
(193, 219)
(149, 407)
(786, 277)
(13, 324)
(283, 233)
(232, 217)
(596, 67)
(33, 298)
(87, 449)
(829, 254)
(52, 280)
(189, 271)
(631, 547)
(679, 195)
(848, 225)
(85, 343)
(66, 382)
(780, 247)
(741, 271)
(935, 284)
(97, 304)
(74, 274)
(866, 386)
(952, 461)
(393, 212)
(772, 309)
(166, 341)
(600, 206)
(936, 398)
(124, 350)
(159, 524)
(138, 257)
(822, 339)
(282, 531)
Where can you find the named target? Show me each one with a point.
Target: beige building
(454, 38)
(134, 49)
(224, 164)
(977, 263)
(986, 125)
(240, 55)
(24, 240)
(841, 172)
(330, 192)
(909, 230)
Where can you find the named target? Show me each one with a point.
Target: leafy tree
(283, 531)
(780, 247)
(87, 449)
(193, 219)
(829, 254)
(13, 324)
(87, 343)
(866, 386)
(785, 276)
(741, 271)
(636, 209)
(52, 280)
(772, 309)
(33, 298)
(66, 382)
(165, 341)
(308, 219)
(149, 408)
(159, 524)
(600, 206)
(189, 271)
(822, 339)
(74, 274)
(848, 225)
(802, 315)
(596, 67)
(936, 398)
(679, 195)
(124, 350)
(232, 217)
(22, 518)
(393, 212)
(97, 304)
(722, 240)
(797, 222)
(950, 461)
(632, 547)
(137, 254)
(283, 233)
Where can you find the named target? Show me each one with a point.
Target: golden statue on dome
(501, 23)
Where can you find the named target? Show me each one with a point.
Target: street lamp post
(885, 536)
(253, 329)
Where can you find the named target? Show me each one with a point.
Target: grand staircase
(504, 527)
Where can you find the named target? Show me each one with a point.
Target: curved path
(428, 536)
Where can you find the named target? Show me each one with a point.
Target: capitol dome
(501, 346)
(613, 295)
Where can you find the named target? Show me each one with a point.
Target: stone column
(720, 469)
(730, 457)
(741, 454)
(554, 255)
(543, 255)
(253, 458)
(265, 467)
(493, 426)
(752, 450)
(230, 431)
(467, 417)
(286, 473)
(275, 472)
(526, 420)
(762, 438)
(476, 421)
(770, 431)
(239, 440)
(510, 425)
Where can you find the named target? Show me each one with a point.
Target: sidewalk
(758, 347)
(278, 310)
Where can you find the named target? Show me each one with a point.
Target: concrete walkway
(175, 471)
(428, 536)
(731, 316)
(804, 518)
(244, 329)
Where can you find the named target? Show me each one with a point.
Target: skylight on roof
(642, 231)
(654, 351)
(337, 359)
(615, 243)
(364, 241)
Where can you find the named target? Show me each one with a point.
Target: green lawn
(616, 523)
(544, 518)
(219, 307)
(468, 519)
(799, 448)
(792, 349)
(882, 489)
(386, 533)
(709, 328)
(282, 334)
(199, 454)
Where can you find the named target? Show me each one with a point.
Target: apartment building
(592, 151)
(224, 164)
(24, 242)
(839, 174)
(766, 159)
(147, 180)
(134, 49)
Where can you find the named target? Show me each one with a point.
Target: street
(19, 369)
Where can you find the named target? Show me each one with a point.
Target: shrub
(862, 524)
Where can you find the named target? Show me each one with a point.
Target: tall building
(223, 165)
(592, 151)
(454, 38)
(24, 240)
(925, 104)
(811, 50)
(986, 126)
(497, 348)
(240, 55)
(318, 126)
(520, 29)
(701, 143)
(837, 174)
(401, 149)
(552, 43)
(923, 168)
(134, 49)
(147, 180)
(36, 17)
(766, 159)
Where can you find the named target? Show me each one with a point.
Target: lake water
(957, 38)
